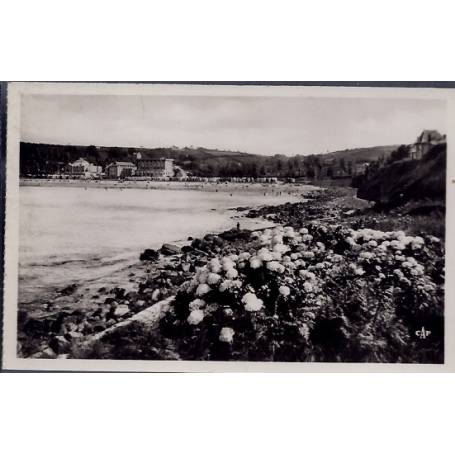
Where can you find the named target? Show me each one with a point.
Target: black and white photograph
(195, 225)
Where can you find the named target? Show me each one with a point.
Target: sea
(73, 235)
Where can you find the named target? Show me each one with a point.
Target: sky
(261, 125)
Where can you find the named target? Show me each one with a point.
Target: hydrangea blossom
(227, 335)
(202, 289)
(213, 278)
(196, 304)
(232, 274)
(284, 291)
(255, 263)
(264, 255)
(244, 256)
(215, 265)
(252, 303)
(228, 265)
(195, 317)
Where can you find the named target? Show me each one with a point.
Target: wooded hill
(398, 182)
(41, 159)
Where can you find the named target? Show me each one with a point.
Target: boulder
(68, 290)
(60, 344)
(138, 304)
(121, 310)
(149, 255)
(235, 234)
(46, 353)
(73, 335)
(99, 328)
(168, 249)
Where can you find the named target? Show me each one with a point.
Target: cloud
(264, 125)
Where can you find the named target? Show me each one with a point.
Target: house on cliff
(426, 140)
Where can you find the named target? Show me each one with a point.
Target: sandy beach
(228, 187)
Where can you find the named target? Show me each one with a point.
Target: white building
(83, 168)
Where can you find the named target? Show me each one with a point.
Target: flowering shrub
(318, 293)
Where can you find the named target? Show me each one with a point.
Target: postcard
(204, 227)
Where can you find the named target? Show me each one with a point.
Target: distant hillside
(365, 154)
(407, 180)
(42, 159)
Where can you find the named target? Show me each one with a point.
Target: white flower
(289, 232)
(244, 256)
(307, 275)
(252, 303)
(373, 243)
(284, 291)
(225, 285)
(308, 286)
(202, 289)
(303, 231)
(276, 256)
(395, 244)
(228, 265)
(264, 239)
(195, 317)
(273, 265)
(227, 335)
(225, 259)
(196, 304)
(202, 276)
(255, 263)
(231, 274)
(359, 271)
(337, 258)
(277, 239)
(304, 330)
(280, 248)
(265, 255)
(215, 265)
(213, 278)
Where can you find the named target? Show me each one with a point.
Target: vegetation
(43, 159)
(399, 180)
(325, 285)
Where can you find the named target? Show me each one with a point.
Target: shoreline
(255, 187)
(90, 294)
(232, 214)
(108, 324)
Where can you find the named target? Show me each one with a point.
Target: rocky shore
(243, 283)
